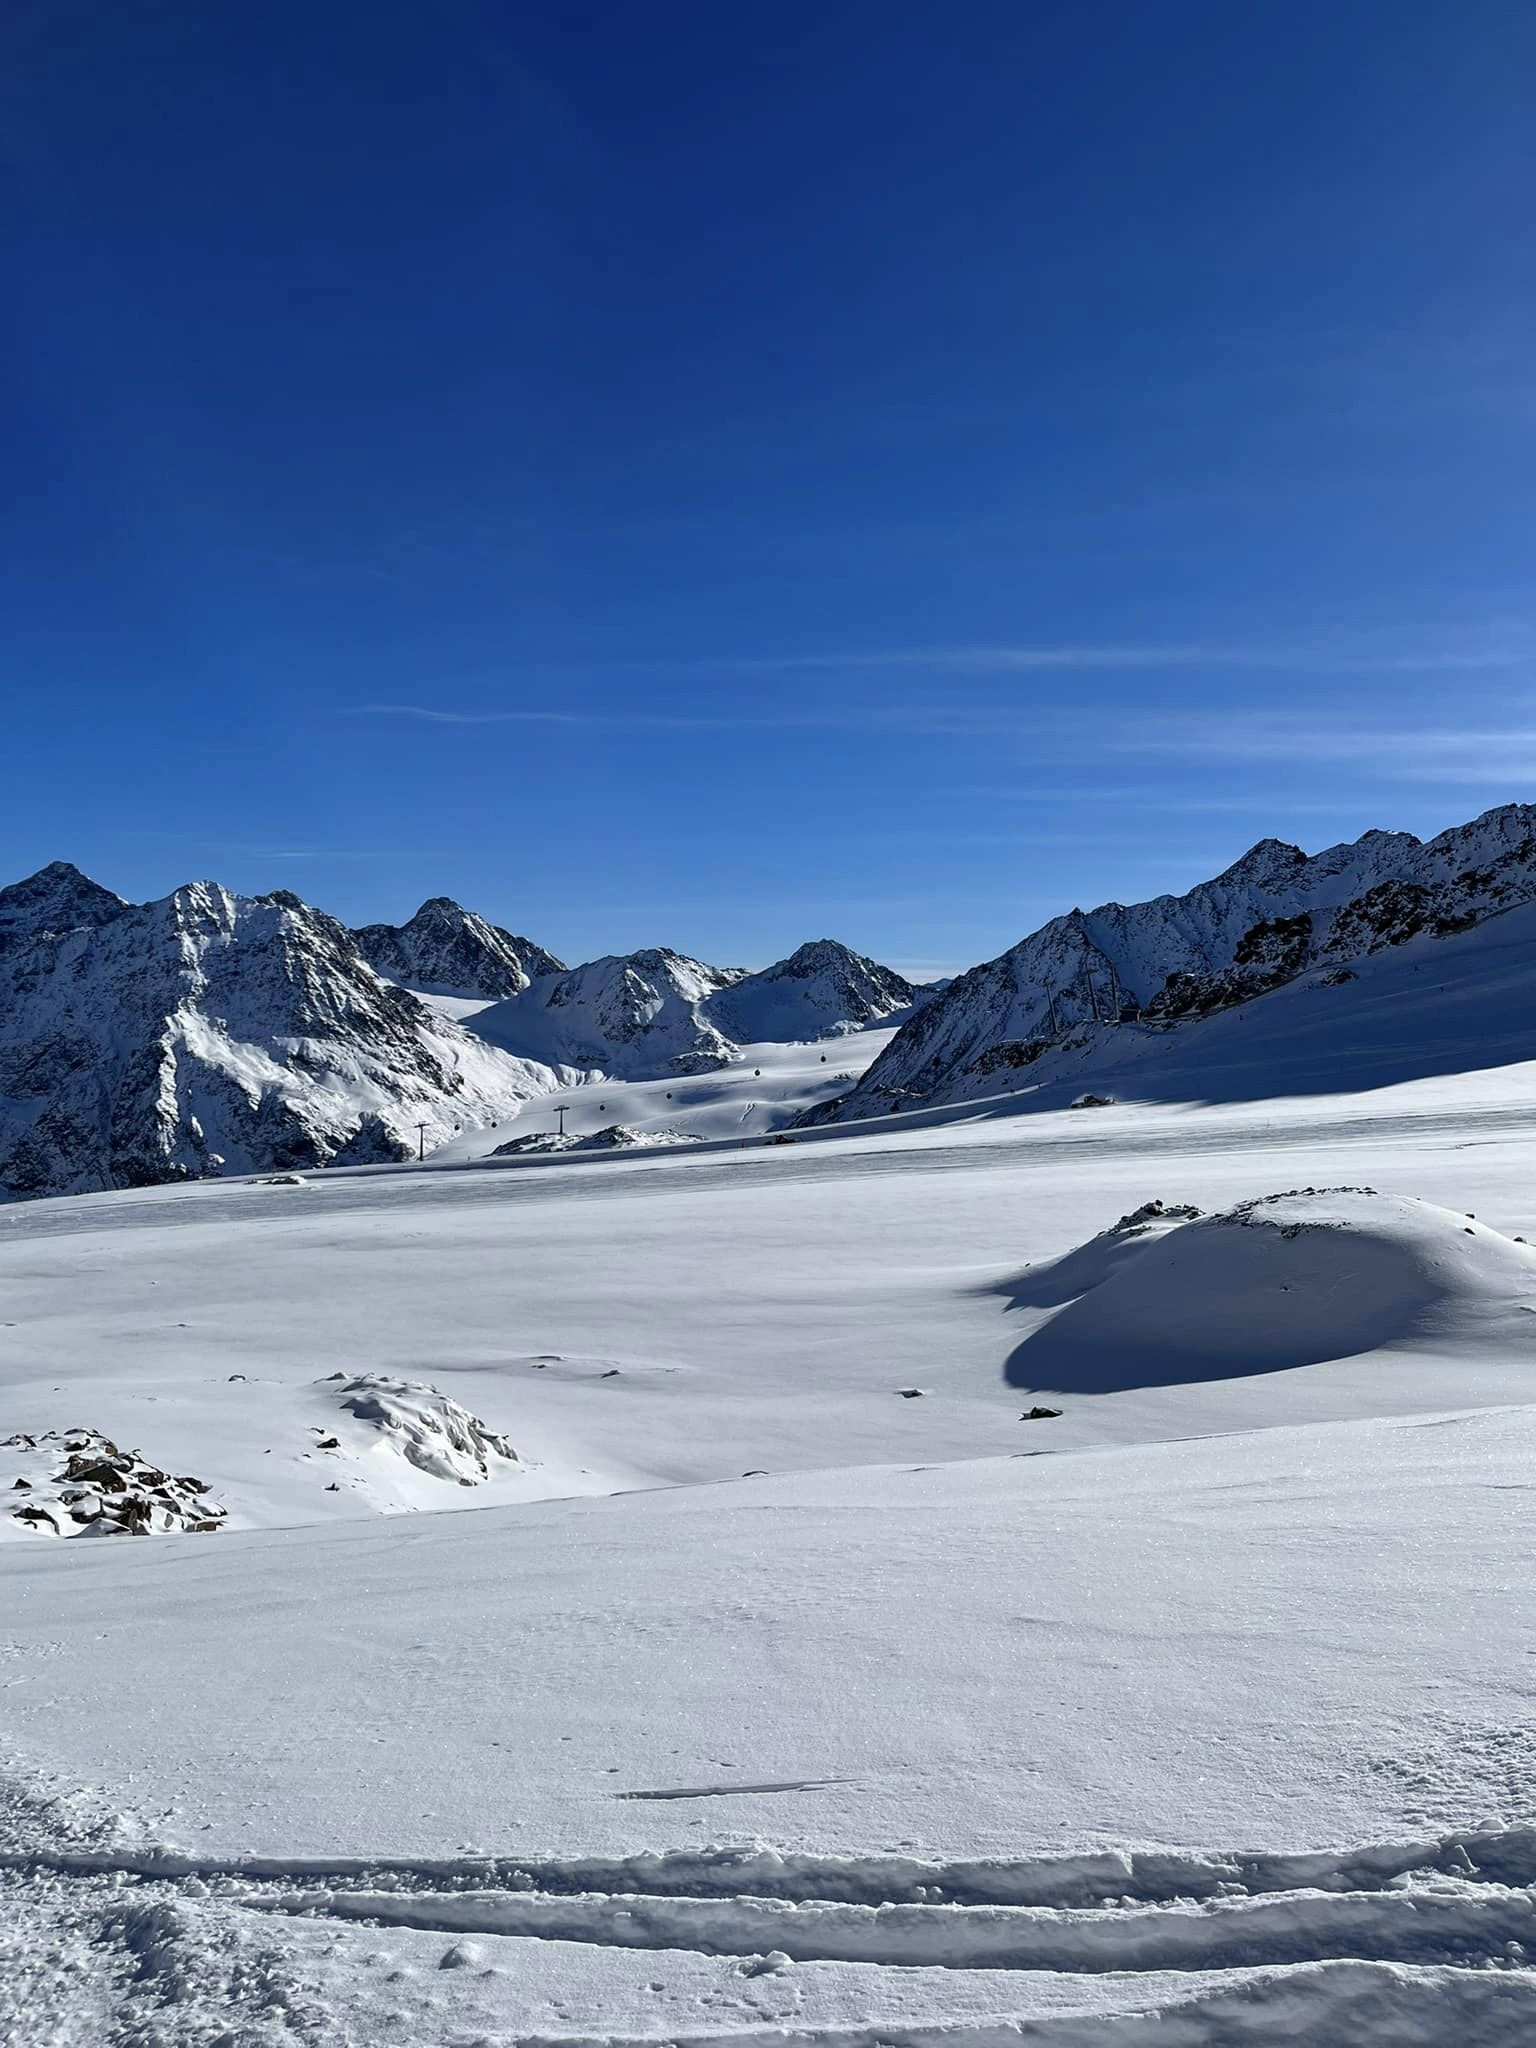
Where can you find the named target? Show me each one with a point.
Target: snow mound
(612, 1138)
(76, 1482)
(1286, 1280)
(425, 1427)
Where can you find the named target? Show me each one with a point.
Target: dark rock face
(58, 898)
(446, 948)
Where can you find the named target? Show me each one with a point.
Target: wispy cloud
(435, 716)
(278, 850)
(1382, 653)
(1462, 754)
(1371, 654)
(1150, 796)
(915, 718)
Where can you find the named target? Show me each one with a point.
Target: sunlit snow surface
(1209, 1698)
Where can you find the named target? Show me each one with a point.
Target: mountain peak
(58, 898)
(448, 950)
(820, 953)
(823, 988)
(1265, 856)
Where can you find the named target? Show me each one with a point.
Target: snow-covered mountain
(821, 989)
(210, 1033)
(207, 1033)
(639, 1015)
(1273, 915)
(447, 950)
(629, 1014)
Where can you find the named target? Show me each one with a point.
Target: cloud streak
(961, 719)
(1319, 659)
(1459, 754)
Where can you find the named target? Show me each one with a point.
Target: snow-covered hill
(447, 950)
(1275, 914)
(210, 1033)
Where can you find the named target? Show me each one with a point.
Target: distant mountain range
(638, 1014)
(210, 1033)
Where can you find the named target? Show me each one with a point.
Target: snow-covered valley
(782, 1674)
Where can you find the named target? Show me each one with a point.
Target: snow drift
(1287, 1280)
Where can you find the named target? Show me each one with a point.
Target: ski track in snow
(164, 1951)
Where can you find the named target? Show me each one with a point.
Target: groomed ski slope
(1199, 1713)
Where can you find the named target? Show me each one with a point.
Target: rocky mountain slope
(632, 1015)
(641, 1015)
(1272, 916)
(821, 990)
(210, 1033)
(58, 898)
(447, 950)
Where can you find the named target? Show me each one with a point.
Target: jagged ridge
(447, 950)
(210, 1033)
(655, 1011)
(1271, 916)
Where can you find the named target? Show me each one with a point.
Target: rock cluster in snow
(1155, 1211)
(1275, 914)
(427, 1428)
(76, 1482)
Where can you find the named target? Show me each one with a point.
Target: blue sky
(717, 475)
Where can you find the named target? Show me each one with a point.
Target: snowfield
(776, 1678)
